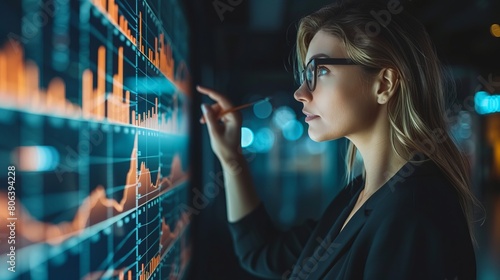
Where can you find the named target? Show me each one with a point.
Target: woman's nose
(302, 94)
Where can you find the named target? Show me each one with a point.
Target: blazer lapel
(345, 238)
(340, 243)
(324, 245)
(334, 247)
(336, 209)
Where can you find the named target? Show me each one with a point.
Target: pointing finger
(224, 102)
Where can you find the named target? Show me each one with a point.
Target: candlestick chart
(94, 143)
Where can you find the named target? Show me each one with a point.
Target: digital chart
(95, 98)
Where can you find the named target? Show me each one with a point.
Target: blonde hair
(417, 111)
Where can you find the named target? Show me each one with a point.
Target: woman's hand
(224, 131)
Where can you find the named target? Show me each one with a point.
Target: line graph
(98, 205)
(96, 107)
(159, 260)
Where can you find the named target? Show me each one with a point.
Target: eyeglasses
(309, 74)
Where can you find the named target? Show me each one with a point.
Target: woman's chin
(316, 137)
(321, 137)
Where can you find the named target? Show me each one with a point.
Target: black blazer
(411, 228)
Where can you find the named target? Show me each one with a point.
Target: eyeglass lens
(310, 75)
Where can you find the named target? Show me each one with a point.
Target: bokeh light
(263, 109)
(495, 30)
(293, 130)
(282, 116)
(246, 137)
(486, 103)
(264, 140)
(315, 148)
(36, 158)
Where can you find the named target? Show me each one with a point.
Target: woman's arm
(264, 250)
(241, 197)
(225, 139)
(269, 252)
(261, 248)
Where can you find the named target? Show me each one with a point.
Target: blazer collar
(329, 246)
(341, 241)
(328, 243)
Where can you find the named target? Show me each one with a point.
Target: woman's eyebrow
(317, 56)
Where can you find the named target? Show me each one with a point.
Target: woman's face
(344, 101)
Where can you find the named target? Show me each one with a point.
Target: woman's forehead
(326, 45)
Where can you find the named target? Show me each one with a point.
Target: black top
(411, 228)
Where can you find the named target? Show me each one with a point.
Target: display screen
(94, 137)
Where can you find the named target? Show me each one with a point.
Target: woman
(369, 73)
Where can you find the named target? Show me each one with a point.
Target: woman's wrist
(234, 164)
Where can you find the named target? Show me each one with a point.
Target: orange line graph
(168, 235)
(96, 206)
(185, 256)
(166, 238)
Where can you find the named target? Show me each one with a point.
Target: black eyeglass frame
(315, 62)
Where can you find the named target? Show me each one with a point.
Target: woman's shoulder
(422, 190)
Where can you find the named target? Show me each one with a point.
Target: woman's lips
(309, 116)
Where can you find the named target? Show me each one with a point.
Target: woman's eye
(322, 71)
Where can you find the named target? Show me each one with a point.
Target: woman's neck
(380, 167)
(380, 160)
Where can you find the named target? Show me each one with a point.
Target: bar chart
(95, 109)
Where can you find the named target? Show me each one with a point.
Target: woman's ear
(388, 83)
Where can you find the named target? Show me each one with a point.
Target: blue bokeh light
(293, 130)
(246, 137)
(262, 110)
(36, 158)
(282, 116)
(315, 148)
(486, 103)
(264, 140)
